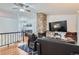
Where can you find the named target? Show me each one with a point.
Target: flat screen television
(60, 26)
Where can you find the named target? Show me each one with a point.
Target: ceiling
(11, 9)
(56, 8)
(47, 8)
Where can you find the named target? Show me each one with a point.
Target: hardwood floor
(12, 50)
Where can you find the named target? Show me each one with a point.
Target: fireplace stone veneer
(41, 22)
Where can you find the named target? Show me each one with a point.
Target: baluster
(1, 40)
(17, 36)
(20, 36)
(23, 35)
(13, 38)
(5, 39)
(10, 38)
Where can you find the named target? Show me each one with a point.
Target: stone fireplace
(41, 23)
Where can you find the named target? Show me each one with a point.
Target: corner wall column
(41, 22)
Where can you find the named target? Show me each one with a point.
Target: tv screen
(60, 26)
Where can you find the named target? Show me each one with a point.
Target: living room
(48, 17)
(36, 19)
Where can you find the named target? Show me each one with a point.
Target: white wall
(78, 29)
(8, 24)
(8, 21)
(71, 21)
(12, 22)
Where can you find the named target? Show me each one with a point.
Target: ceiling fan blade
(27, 6)
(19, 4)
(22, 6)
(28, 10)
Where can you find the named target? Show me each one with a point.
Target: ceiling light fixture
(22, 10)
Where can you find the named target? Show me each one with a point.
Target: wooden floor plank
(12, 50)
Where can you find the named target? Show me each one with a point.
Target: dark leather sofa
(53, 46)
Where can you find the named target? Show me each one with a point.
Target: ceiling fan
(22, 7)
